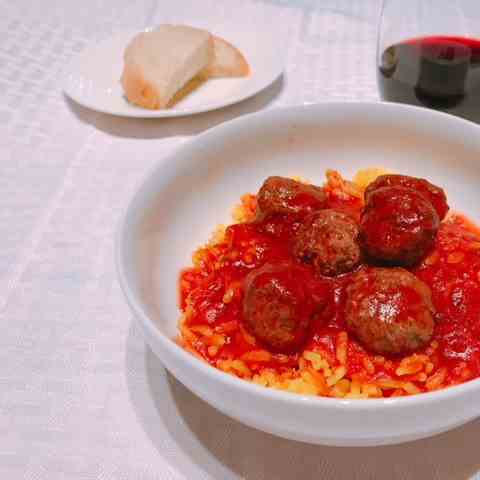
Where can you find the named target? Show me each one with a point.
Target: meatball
(328, 240)
(278, 306)
(389, 310)
(398, 226)
(434, 194)
(284, 195)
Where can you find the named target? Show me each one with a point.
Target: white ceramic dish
(92, 78)
(188, 194)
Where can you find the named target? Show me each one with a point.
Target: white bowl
(188, 194)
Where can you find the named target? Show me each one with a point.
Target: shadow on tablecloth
(158, 128)
(173, 418)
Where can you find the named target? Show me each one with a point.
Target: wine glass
(428, 54)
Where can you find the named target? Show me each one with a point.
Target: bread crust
(239, 68)
(138, 90)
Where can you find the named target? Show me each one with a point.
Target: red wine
(437, 72)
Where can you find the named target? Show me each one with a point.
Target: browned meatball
(398, 226)
(328, 240)
(278, 307)
(431, 192)
(389, 310)
(284, 195)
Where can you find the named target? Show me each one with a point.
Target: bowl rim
(234, 383)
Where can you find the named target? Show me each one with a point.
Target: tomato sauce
(211, 293)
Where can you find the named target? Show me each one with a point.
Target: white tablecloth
(81, 396)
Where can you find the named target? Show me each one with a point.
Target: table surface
(81, 396)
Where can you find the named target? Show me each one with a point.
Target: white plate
(93, 77)
(175, 211)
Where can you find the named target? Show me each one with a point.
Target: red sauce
(452, 270)
(453, 273)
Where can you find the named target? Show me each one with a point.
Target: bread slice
(159, 63)
(227, 61)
